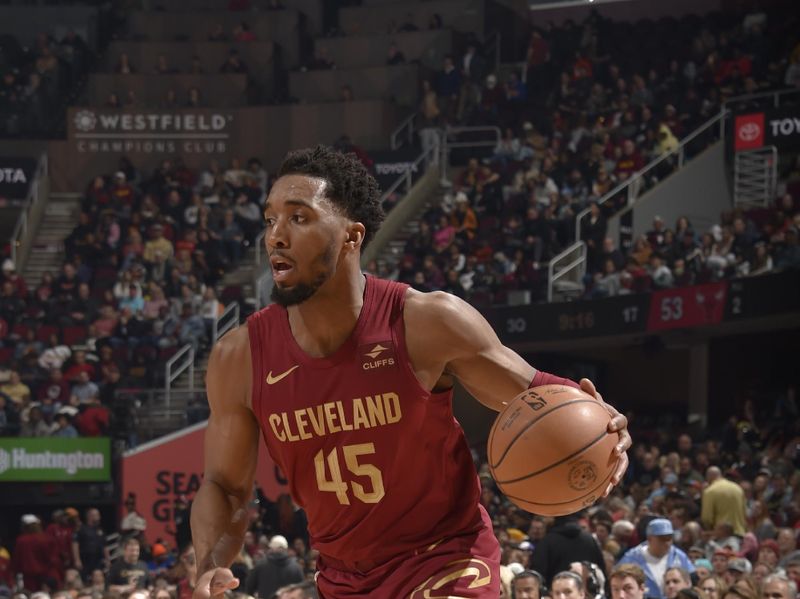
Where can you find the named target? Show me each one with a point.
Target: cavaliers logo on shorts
(377, 356)
(456, 580)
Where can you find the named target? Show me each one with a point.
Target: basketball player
(349, 380)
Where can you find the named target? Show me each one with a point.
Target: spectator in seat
(162, 66)
(63, 423)
(242, 33)
(170, 99)
(34, 425)
(608, 282)
(346, 94)
(248, 216)
(659, 272)
(217, 34)
(124, 66)
(15, 389)
(629, 162)
(464, 219)
(122, 194)
(195, 66)
(233, 63)
(682, 276)
(10, 275)
(676, 579)
(55, 389)
(193, 98)
(231, 235)
(394, 56)
(12, 306)
(157, 243)
(191, 328)
(84, 389)
(93, 419)
(128, 572)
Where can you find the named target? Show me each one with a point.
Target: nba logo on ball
(749, 130)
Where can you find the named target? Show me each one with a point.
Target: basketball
(549, 451)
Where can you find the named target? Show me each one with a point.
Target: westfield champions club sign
(157, 132)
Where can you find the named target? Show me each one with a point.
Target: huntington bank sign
(51, 459)
(185, 132)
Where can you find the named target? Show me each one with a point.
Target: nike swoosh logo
(271, 380)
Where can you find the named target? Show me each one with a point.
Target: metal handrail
(446, 145)
(23, 221)
(170, 374)
(633, 183)
(553, 276)
(406, 124)
(775, 95)
(229, 319)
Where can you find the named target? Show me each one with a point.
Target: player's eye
(298, 218)
(269, 221)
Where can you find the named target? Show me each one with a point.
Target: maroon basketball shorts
(460, 567)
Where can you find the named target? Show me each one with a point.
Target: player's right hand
(214, 583)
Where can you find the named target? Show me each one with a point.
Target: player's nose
(277, 235)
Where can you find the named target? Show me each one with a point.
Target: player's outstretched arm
(219, 518)
(447, 336)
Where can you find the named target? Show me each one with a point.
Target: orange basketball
(549, 451)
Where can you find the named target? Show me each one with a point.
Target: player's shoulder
(433, 305)
(438, 312)
(230, 349)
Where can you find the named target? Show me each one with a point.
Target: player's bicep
(231, 439)
(493, 373)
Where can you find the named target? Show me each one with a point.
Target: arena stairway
(47, 250)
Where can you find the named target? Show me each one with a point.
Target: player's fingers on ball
(608, 490)
(622, 466)
(625, 442)
(587, 386)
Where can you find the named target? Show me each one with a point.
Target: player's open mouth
(280, 268)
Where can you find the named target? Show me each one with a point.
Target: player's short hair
(632, 570)
(349, 186)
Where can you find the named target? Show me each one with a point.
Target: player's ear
(355, 235)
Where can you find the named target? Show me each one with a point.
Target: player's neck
(321, 324)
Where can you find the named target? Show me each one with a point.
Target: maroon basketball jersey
(379, 464)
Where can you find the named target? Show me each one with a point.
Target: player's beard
(297, 294)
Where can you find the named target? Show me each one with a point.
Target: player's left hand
(619, 425)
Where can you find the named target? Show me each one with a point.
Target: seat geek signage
(779, 128)
(175, 132)
(53, 459)
(16, 175)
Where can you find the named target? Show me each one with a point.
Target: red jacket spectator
(56, 388)
(35, 554)
(61, 534)
(93, 421)
(79, 365)
(630, 161)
